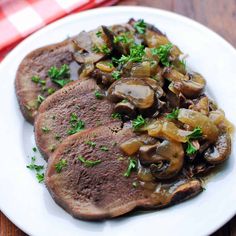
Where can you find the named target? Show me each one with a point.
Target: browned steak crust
(102, 191)
(53, 121)
(37, 63)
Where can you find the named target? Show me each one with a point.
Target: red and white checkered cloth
(19, 18)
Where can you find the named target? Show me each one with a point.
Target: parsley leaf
(45, 129)
(60, 165)
(33, 166)
(91, 144)
(140, 26)
(104, 148)
(136, 55)
(60, 76)
(132, 166)
(196, 134)
(116, 74)
(99, 34)
(40, 99)
(163, 53)
(173, 115)
(190, 148)
(40, 177)
(88, 163)
(122, 39)
(102, 49)
(75, 124)
(34, 149)
(98, 95)
(116, 116)
(138, 122)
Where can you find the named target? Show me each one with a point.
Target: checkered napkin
(19, 18)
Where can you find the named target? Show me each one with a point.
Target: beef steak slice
(53, 120)
(37, 63)
(102, 191)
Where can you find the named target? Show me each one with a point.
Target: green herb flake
(140, 26)
(51, 90)
(116, 74)
(173, 115)
(136, 54)
(33, 166)
(110, 64)
(116, 116)
(98, 95)
(60, 165)
(190, 148)
(132, 166)
(104, 148)
(138, 122)
(45, 129)
(35, 79)
(99, 34)
(91, 144)
(60, 76)
(122, 39)
(88, 163)
(40, 177)
(40, 99)
(102, 49)
(163, 53)
(34, 149)
(76, 124)
(196, 134)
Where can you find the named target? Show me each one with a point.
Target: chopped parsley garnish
(116, 116)
(98, 95)
(140, 26)
(99, 34)
(116, 74)
(45, 129)
(103, 49)
(104, 148)
(40, 99)
(60, 165)
(196, 134)
(190, 148)
(60, 76)
(34, 149)
(122, 39)
(51, 90)
(110, 64)
(173, 115)
(33, 166)
(88, 163)
(40, 177)
(138, 122)
(136, 55)
(36, 79)
(75, 124)
(37, 168)
(132, 166)
(163, 53)
(91, 144)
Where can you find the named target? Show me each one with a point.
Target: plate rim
(161, 12)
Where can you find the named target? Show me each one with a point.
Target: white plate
(29, 205)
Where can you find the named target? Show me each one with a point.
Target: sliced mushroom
(220, 151)
(125, 108)
(136, 91)
(176, 191)
(165, 159)
(190, 85)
